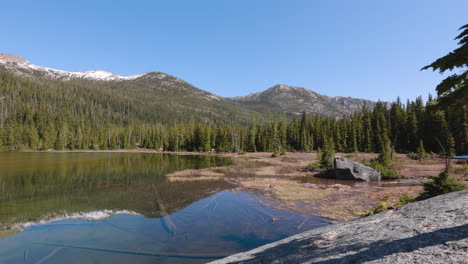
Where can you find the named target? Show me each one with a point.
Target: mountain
(153, 97)
(23, 67)
(157, 97)
(294, 100)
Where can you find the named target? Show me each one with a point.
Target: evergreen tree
(385, 157)
(327, 154)
(453, 91)
(420, 151)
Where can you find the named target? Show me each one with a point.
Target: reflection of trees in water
(116, 181)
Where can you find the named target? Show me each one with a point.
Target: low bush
(380, 206)
(416, 156)
(440, 184)
(462, 169)
(386, 204)
(386, 172)
(313, 166)
(413, 156)
(350, 155)
(404, 199)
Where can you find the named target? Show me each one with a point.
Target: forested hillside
(159, 111)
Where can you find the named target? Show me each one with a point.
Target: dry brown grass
(241, 167)
(286, 189)
(284, 170)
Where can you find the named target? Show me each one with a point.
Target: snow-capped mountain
(22, 66)
(166, 94)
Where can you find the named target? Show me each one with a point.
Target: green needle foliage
(385, 158)
(440, 184)
(386, 203)
(453, 91)
(421, 151)
(327, 154)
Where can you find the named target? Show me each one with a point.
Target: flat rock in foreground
(430, 231)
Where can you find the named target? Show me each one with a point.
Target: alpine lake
(121, 208)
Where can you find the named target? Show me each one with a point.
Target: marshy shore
(289, 183)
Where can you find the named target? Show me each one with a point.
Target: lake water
(120, 208)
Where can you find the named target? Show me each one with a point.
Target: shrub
(387, 173)
(404, 199)
(383, 162)
(413, 156)
(350, 155)
(313, 166)
(438, 185)
(416, 156)
(242, 152)
(386, 204)
(381, 206)
(462, 169)
(275, 154)
(283, 152)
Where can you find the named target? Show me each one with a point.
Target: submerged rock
(346, 169)
(430, 231)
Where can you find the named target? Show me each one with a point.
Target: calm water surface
(120, 208)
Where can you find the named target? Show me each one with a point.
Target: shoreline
(289, 183)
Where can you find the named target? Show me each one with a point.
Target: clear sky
(360, 48)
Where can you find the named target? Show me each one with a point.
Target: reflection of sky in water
(220, 225)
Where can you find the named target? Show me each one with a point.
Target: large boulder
(346, 169)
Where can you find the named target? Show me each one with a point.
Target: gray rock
(430, 231)
(346, 169)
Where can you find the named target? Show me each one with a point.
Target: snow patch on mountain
(16, 62)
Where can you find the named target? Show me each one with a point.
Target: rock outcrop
(346, 169)
(430, 231)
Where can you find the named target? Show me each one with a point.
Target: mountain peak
(23, 67)
(8, 58)
(281, 87)
(295, 100)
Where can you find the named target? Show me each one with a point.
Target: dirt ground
(290, 184)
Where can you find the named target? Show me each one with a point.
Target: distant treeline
(58, 115)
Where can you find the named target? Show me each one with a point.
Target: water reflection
(36, 186)
(120, 208)
(211, 228)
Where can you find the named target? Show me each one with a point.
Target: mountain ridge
(295, 100)
(279, 99)
(14, 62)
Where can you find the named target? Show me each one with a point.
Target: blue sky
(361, 48)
